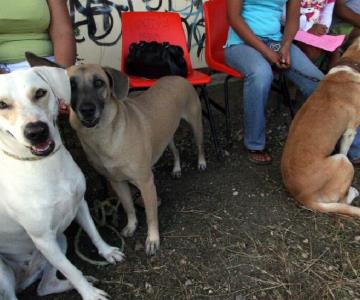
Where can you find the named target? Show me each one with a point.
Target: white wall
(98, 26)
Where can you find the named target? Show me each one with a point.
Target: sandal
(259, 157)
(139, 201)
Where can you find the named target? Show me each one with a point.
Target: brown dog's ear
(36, 61)
(119, 83)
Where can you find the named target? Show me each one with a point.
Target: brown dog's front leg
(148, 192)
(123, 192)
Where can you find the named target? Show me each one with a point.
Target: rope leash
(102, 210)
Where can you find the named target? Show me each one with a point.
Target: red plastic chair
(162, 27)
(216, 29)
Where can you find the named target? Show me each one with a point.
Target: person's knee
(261, 76)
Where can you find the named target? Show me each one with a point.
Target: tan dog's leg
(176, 172)
(7, 282)
(122, 190)
(194, 118)
(148, 192)
(346, 140)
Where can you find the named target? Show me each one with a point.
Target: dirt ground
(231, 232)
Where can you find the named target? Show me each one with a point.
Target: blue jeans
(354, 151)
(258, 77)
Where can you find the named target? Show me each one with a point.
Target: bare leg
(176, 172)
(7, 282)
(123, 192)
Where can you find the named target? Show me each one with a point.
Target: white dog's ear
(119, 83)
(57, 80)
(37, 61)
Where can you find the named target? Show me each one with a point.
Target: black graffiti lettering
(90, 10)
(152, 8)
(191, 15)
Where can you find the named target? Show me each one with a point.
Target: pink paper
(326, 42)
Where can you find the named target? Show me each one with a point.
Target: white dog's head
(29, 108)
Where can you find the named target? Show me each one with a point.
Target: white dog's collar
(32, 158)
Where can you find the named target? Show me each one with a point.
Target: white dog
(42, 189)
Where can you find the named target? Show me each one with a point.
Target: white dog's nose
(37, 132)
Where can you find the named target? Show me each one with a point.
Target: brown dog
(316, 178)
(123, 137)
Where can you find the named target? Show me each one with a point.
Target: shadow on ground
(231, 232)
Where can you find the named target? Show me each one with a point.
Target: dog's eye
(3, 105)
(40, 93)
(98, 83)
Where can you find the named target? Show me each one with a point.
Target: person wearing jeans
(255, 45)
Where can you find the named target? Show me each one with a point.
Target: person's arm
(290, 29)
(238, 24)
(347, 14)
(61, 33)
(325, 19)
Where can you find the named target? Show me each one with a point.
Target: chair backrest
(216, 29)
(152, 26)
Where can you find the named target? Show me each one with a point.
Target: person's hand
(284, 53)
(318, 29)
(272, 57)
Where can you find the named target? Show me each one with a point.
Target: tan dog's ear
(58, 81)
(119, 83)
(36, 61)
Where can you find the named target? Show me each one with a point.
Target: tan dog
(123, 137)
(316, 178)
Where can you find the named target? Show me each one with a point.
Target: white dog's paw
(95, 294)
(152, 245)
(128, 230)
(112, 255)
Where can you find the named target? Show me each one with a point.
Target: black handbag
(154, 60)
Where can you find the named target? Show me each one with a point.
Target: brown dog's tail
(334, 207)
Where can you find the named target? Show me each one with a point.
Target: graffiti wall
(97, 24)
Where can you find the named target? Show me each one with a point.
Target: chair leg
(286, 95)
(227, 111)
(204, 95)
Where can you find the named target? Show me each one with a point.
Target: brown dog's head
(92, 86)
